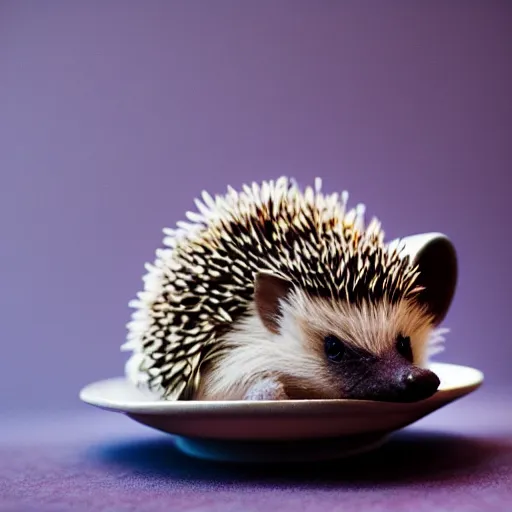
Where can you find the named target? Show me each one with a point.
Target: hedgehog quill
(272, 292)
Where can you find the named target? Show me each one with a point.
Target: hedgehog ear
(269, 290)
(436, 258)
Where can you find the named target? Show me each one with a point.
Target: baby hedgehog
(274, 292)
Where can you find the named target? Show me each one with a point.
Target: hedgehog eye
(334, 348)
(403, 345)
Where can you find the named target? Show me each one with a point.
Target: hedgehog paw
(266, 389)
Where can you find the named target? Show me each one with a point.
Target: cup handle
(435, 255)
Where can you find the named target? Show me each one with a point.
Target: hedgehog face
(364, 351)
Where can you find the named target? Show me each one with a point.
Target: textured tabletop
(458, 459)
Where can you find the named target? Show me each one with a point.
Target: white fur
(296, 352)
(373, 327)
(256, 354)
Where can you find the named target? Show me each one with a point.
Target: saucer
(278, 431)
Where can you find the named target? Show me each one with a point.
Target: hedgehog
(277, 292)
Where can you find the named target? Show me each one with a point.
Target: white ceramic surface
(281, 430)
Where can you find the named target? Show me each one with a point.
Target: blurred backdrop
(115, 115)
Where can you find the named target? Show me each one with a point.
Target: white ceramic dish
(280, 430)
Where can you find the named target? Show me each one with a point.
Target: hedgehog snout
(408, 383)
(393, 379)
(418, 384)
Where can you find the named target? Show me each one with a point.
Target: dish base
(307, 450)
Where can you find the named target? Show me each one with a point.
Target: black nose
(419, 384)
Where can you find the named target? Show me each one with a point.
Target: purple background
(114, 115)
